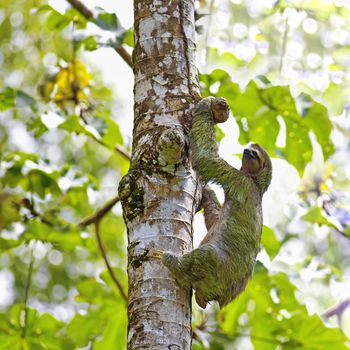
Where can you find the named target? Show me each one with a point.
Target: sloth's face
(253, 161)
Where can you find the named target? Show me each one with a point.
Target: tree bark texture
(160, 192)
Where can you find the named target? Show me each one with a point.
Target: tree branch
(27, 203)
(284, 46)
(80, 7)
(341, 232)
(96, 219)
(119, 149)
(88, 14)
(338, 311)
(123, 152)
(100, 213)
(109, 268)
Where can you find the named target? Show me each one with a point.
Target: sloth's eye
(255, 154)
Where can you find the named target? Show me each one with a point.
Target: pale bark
(160, 193)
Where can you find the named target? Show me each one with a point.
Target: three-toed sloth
(221, 266)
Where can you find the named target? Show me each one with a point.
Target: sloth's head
(256, 163)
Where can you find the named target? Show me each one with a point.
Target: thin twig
(27, 203)
(100, 213)
(324, 207)
(80, 7)
(284, 46)
(96, 219)
(88, 14)
(206, 40)
(96, 216)
(119, 149)
(26, 294)
(318, 193)
(124, 55)
(338, 311)
(109, 268)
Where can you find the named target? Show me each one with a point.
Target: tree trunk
(160, 193)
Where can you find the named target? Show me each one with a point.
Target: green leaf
(89, 43)
(104, 326)
(37, 127)
(76, 199)
(120, 275)
(42, 331)
(10, 98)
(335, 97)
(7, 98)
(24, 100)
(47, 324)
(75, 16)
(73, 124)
(274, 317)
(311, 333)
(112, 135)
(108, 21)
(316, 216)
(219, 133)
(316, 118)
(270, 242)
(82, 329)
(8, 214)
(6, 244)
(20, 157)
(225, 60)
(41, 183)
(257, 111)
(113, 338)
(129, 37)
(13, 175)
(66, 238)
(13, 342)
(56, 21)
(94, 292)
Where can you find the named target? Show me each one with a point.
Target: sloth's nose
(247, 153)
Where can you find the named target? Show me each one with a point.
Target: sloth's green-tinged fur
(221, 266)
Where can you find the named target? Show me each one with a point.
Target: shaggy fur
(221, 266)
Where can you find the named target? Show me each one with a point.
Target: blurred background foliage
(65, 139)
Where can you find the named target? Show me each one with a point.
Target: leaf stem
(26, 294)
(284, 46)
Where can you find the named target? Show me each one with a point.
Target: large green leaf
(73, 124)
(258, 108)
(275, 318)
(112, 136)
(104, 325)
(41, 331)
(108, 21)
(270, 242)
(40, 182)
(8, 213)
(62, 237)
(56, 21)
(316, 216)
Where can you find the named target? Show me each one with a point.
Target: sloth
(221, 266)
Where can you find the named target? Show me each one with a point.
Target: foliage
(62, 153)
